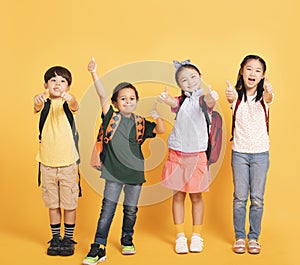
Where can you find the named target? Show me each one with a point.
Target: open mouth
(251, 80)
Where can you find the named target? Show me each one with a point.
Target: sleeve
(107, 117)
(149, 127)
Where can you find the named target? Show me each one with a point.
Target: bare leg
(197, 208)
(178, 207)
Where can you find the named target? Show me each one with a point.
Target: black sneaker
(54, 248)
(67, 247)
(127, 247)
(95, 255)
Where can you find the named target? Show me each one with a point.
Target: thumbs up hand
(163, 95)
(230, 92)
(213, 94)
(154, 113)
(268, 91)
(40, 99)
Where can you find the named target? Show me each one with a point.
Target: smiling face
(252, 73)
(56, 85)
(126, 101)
(189, 79)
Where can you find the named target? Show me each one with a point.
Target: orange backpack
(102, 140)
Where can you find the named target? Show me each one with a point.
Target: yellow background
(216, 35)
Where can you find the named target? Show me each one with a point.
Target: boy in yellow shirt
(57, 156)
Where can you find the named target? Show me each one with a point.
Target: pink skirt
(187, 172)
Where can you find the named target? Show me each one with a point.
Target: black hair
(240, 85)
(122, 86)
(58, 70)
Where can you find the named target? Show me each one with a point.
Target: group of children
(186, 169)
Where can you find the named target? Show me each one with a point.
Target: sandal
(239, 246)
(253, 247)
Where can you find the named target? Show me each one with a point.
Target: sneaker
(196, 243)
(127, 247)
(67, 247)
(239, 246)
(54, 248)
(253, 247)
(181, 246)
(95, 255)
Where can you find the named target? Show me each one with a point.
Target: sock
(55, 229)
(69, 230)
(196, 230)
(179, 229)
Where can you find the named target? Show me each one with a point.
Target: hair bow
(178, 64)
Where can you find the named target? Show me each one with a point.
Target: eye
(132, 98)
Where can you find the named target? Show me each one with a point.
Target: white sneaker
(196, 243)
(181, 245)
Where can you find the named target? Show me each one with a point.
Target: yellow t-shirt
(57, 146)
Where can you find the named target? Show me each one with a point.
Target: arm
(211, 98)
(268, 92)
(71, 100)
(104, 101)
(39, 100)
(160, 125)
(164, 97)
(230, 93)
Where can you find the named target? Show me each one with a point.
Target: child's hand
(230, 94)
(268, 87)
(92, 66)
(66, 96)
(154, 113)
(163, 95)
(268, 91)
(41, 98)
(213, 94)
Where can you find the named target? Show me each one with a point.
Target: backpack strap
(267, 114)
(112, 127)
(140, 128)
(208, 123)
(233, 116)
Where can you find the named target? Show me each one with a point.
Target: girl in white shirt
(250, 102)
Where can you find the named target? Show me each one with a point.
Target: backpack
(100, 146)
(214, 129)
(70, 117)
(267, 114)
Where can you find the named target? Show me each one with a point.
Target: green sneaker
(95, 255)
(127, 247)
(128, 250)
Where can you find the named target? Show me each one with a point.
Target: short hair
(121, 86)
(58, 70)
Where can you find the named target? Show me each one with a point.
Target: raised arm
(268, 91)
(160, 125)
(230, 93)
(166, 98)
(104, 101)
(211, 98)
(39, 100)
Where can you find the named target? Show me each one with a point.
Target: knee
(257, 202)
(130, 210)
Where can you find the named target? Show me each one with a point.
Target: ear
(45, 85)
(67, 88)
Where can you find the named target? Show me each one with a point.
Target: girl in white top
(186, 169)
(250, 150)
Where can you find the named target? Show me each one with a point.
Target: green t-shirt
(124, 160)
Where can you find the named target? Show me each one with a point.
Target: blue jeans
(249, 175)
(112, 193)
